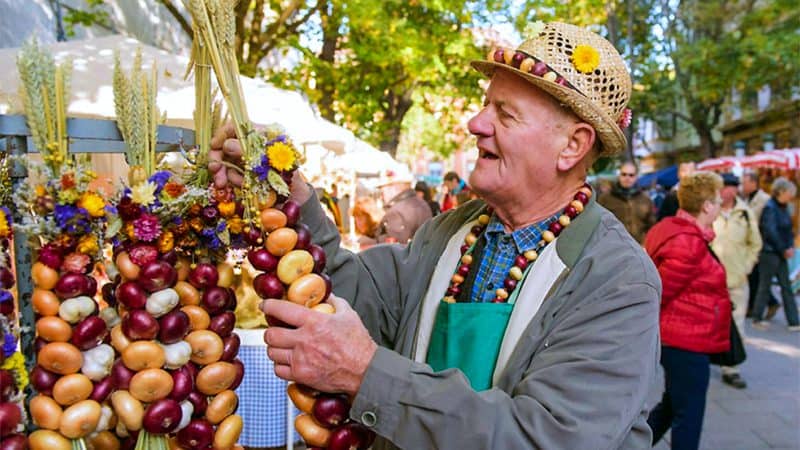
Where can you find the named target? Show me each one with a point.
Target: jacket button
(369, 419)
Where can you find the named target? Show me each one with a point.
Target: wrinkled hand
(226, 164)
(328, 352)
(225, 157)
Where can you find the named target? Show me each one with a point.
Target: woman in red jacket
(695, 307)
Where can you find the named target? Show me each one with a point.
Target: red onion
(199, 402)
(330, 410)
(197, 435)
(319, 257)
(182, 384)
(303, 236)
(268, 285)
(6, 278)
(162, 416)
(215, 299)
(14, 442)
(292, 211)
(102, 389)
(237, 380)
(10, 417)
(131, 295)
(109, 295)
(89, 333)
(43, 380)
(140, 325)
(7, 385)
(230, 347)
(262, 260)
(71, 285)
(328, 285)
(173, 326)
(171, 257)
(50, 258)
(347, 437)
(204, 276)
(222, 324)
(121, 375)
(157, 275)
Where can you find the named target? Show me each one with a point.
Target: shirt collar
(524, 238)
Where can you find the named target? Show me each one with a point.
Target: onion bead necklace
(524, 261)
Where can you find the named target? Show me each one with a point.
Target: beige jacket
(757, 203)
(737, 242)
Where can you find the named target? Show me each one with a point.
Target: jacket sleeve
(769, 230)
(753, 241)
(584, 387)
(676, 261)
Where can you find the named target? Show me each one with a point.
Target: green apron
(467, 336)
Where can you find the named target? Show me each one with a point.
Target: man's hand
(225, 157)
(226, 164)
(328, 352)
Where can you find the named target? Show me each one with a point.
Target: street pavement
(765, 415)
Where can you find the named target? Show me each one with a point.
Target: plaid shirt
(499, 254)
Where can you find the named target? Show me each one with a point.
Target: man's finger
(280, 337)
(235, 177)
(224, 132)
(282, 356)
(232, 148)
(221, 179)
(338, 303)
(288, 312)
(283, 372)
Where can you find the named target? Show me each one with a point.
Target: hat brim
(612, 139)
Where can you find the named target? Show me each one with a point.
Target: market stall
(93, 97)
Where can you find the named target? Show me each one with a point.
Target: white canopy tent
(328, 146)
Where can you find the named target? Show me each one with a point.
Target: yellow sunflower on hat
(585, 58)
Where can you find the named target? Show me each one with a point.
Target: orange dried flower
(195, 210)
(226, 209)
(235, 225)
(196, 223)
(174, 189)
(166, 242)
(67, 181)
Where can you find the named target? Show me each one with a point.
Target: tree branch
(185, 25)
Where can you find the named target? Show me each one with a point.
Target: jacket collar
(574, 238)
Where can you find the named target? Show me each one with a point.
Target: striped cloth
(262, 395)
(499, 254)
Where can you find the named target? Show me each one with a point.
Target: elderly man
(527, 319)
(736, 244)
(631, 205)
(756, 199)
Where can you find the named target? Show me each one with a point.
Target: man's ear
(580, 141)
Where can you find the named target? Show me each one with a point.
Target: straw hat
(577, 67)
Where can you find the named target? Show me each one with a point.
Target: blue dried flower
(262, 170)
(160, 178)
(9, 344)
(5, 296)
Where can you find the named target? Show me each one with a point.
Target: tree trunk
(394, 114)
(331, 21)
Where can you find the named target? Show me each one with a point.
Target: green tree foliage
(377, 60)
(709, 48)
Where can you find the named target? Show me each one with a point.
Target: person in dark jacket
(778, 248)
(631, 205)
(424, 192)
(670, 204)
(695, 307)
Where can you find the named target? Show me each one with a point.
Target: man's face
(728, 194)
(627, 176)
(520, 132)
(748, 185)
